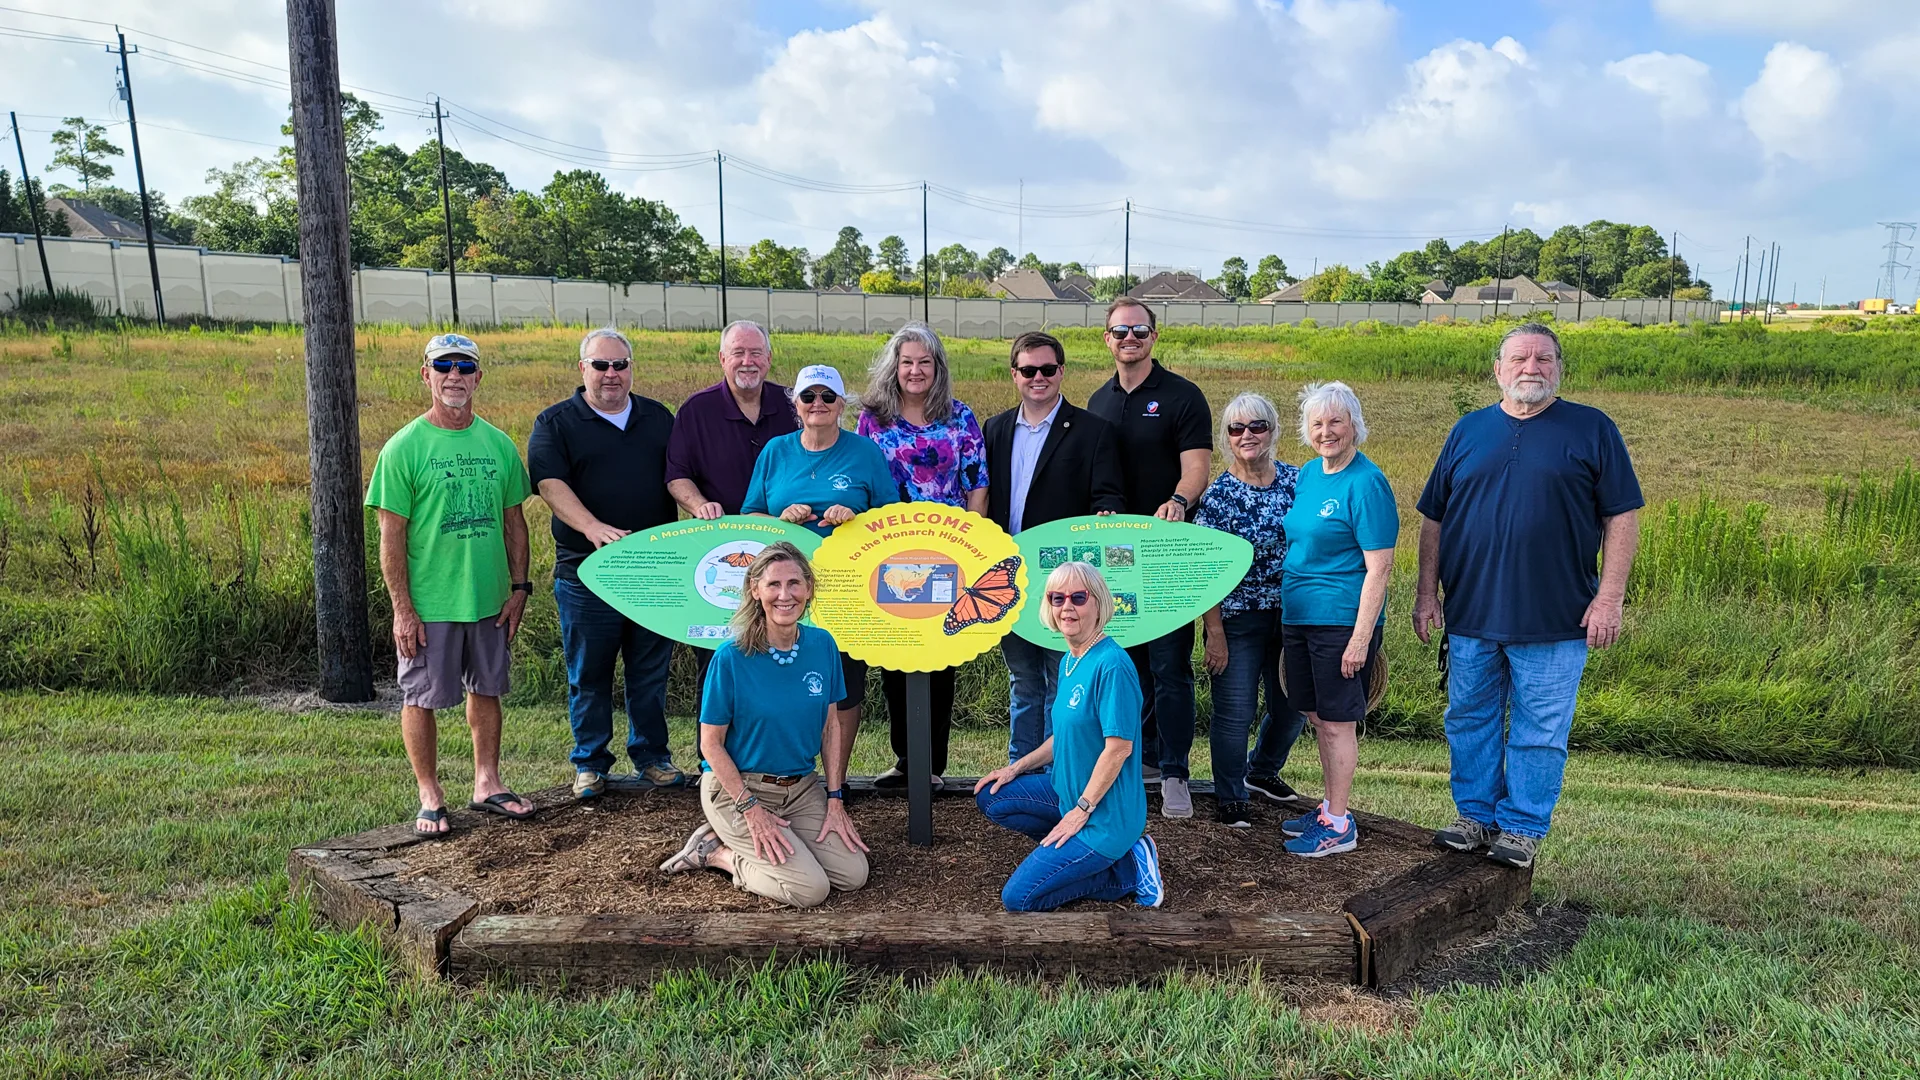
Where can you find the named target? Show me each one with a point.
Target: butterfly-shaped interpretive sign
(918, 586)
(1162, 574)
(683, 581)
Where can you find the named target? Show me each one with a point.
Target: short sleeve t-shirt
(852, 473)
(1164, 416)
(453, 487)
(1335, 518)
(774, 713)
(941, 462)
(1519, 504)
(1099, 697)
(1256, 515)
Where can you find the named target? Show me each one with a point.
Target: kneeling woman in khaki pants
(764, 716)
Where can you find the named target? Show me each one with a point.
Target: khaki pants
(812, 870)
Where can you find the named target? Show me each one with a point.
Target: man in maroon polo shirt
(719, 433)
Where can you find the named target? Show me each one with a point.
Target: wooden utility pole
(140, 174)
(446, 207)
(333, 415)
(33, 203)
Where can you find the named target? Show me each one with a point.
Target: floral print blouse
(1252, 514)
(940, 463)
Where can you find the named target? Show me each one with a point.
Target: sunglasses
(464, 367)
(1258, 427)
(1142, 331)
(1028, 371)
(602, 365)
(1060, 599)
(808, 397)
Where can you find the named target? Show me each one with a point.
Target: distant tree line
(577, 226)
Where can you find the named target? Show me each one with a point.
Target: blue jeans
(1033, 675)
(1509, 712)
(593, 635)
(1253, 662)
(1051, 876)
(1165, 667)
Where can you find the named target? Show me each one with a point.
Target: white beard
(1531, 393)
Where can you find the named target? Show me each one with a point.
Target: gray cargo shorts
(469, 657)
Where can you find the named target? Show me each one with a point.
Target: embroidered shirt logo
(1079, 694)
(840, 481)
(1152, 407)
(1327, 508)
(816, 686)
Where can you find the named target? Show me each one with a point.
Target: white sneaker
(1176, 799)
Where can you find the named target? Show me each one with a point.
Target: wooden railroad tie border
(1378, 937)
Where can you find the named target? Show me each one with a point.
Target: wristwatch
(837, 793)
(1179, 498)
(523, 586)
(1083, 805)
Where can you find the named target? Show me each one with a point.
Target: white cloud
(1462, 101)
(1682, 85)
(848, 96)
(1793, 107)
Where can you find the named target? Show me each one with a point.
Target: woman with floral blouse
(936, 453)
(1248, 499)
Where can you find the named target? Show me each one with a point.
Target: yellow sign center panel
(918, 586)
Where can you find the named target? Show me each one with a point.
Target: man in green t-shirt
(453, 551)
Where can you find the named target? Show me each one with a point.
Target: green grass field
(1748, 920)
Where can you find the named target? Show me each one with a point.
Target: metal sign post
(919, 759)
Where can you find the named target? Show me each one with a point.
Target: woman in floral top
(1243, 632)
(936, 453)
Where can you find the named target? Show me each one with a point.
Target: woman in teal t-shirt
(765, 716)
(1340, 536)
(822, 476)
(1090, 816)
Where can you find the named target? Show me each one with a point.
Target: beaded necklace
(1074, 661)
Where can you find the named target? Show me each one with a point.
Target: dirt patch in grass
(603, 857)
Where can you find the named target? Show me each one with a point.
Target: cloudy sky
(1320, 130)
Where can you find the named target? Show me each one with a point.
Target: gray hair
(1530, 329)
(1245, 406)
(882, 398)
(1317, 398)
(747, 324)
(605, 333)
(1085, 575)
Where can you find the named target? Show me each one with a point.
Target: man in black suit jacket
(1048, 460)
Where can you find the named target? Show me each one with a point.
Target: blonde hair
(749, 622)
(1063, 578)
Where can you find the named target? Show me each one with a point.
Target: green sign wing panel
(683, 581)
(1162, 573)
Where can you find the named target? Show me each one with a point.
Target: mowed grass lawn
(1748, 922)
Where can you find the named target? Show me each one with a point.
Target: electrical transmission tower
(1897, 231)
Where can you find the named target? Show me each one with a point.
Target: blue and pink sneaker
(1323, 837)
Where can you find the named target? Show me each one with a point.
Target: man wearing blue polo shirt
(1526, 495)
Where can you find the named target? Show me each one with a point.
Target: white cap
(452, 345)
(820, 375)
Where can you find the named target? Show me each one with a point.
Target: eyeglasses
(1060, 599)
(1028, 371)
(1258, 427)
(808, 397)
(1142, 331)
(602, 365)
(464, 367)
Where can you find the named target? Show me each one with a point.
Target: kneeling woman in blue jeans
(1090, 815)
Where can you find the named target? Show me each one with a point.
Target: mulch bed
(603, 857)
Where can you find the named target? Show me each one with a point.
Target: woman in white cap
(820, 477)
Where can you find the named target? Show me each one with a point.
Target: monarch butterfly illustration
(741, 559)
(988, 600)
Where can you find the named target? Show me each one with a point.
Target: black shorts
(855, 674)
(1312, 663)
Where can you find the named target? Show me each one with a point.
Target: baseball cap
(820, 375)
(452, 345)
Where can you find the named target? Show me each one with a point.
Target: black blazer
(1078, 472)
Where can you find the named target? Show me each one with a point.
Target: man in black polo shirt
(599, 459)
(1164, 431)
